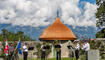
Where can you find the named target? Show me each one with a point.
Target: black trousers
(58, 55)
(25, 54)
(86, 55)
(77, 54)
(43, 54)
(11, 56)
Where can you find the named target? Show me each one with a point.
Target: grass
(102, 59)
(81, 58)
(54, 59)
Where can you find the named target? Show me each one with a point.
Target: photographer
(71, 49)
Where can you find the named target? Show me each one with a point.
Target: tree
(100, 14)
(101, 33)
(4, 33)
(11, 36)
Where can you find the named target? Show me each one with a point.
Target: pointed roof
(57, 30)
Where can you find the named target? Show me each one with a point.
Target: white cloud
(78, 17)
(35, 12)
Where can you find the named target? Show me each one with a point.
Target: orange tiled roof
(57, 31)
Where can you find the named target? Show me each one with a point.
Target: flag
(19, 46)
(6, 48)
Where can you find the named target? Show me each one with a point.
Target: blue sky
(91, 1)
(39, 14)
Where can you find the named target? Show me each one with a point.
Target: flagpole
(15, 49)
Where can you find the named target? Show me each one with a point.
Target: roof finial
(57, 13)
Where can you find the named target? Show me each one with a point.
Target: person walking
(77, 47)
(86, 47)
(25, 51)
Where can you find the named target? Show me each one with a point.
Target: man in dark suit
(43, 51)
(58, 49)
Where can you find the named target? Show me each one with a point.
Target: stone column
(52, 51)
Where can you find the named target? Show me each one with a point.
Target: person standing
(71, 49)
(58, 49)
(86, 47)
(11, 51)
(43, 51)
(59, 53)
(25, 51)
(77, 47)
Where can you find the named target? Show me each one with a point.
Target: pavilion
(58, 31)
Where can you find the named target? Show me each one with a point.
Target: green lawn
(82, 57)
(53, 59)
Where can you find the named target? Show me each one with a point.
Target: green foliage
(11, 36)
(100, 34)
(100, 14)
(102, 47)
(97, 45)
(82, 57)
(49, 50)
(39, 49)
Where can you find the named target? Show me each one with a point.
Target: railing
(100, 38)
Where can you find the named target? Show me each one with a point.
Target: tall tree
(100, 14)
(4, 33)
(11, 36)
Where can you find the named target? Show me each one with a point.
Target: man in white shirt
(86, 47)
(77, 47)
(25, 51)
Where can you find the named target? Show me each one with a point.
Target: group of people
(84, 46)
(57, 46)
(75, 49)
(25, 49)
(12, 50)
